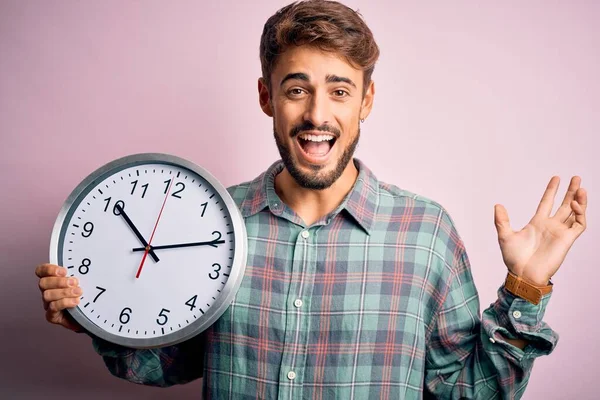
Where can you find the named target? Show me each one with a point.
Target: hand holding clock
(59, 292)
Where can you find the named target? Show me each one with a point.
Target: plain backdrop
(477, 103)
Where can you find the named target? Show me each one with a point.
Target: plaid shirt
(374, 300)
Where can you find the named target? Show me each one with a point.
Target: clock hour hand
(212, 243)
(136, 231)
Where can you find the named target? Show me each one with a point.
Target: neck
(310, 204)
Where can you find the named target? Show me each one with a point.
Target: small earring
(362, 120)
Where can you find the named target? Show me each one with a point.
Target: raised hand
(537, 251)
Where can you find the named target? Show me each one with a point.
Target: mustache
(309, 126)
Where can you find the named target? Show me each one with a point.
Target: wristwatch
(525, 290)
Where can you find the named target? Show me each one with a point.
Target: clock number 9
(87, 228)
(124, 317)
(84, 268)
(216, 271)
(166, 318)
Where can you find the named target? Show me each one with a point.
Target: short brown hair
(327, 25)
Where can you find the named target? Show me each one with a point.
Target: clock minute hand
(136, 231)
(212, 243)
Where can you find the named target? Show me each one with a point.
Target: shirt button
(517, 314)
(275, 205)
(298, 303)
(492, 340)
(291, 375)
(305, 234)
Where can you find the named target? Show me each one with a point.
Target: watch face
(158, 247)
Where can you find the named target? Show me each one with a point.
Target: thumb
(501, 221)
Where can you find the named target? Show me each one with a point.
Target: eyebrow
(328, 78)
(295, 75)
(338, 79)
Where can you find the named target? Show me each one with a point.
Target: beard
(315, 180)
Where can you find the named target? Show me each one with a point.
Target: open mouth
(316, 146)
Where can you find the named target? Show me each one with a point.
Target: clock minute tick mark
(178, 173)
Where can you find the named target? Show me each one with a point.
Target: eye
(295, 92)
(340, 93)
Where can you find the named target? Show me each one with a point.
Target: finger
(57, 283)
(58, 294)
(44, 270)
(547, 202)
(579, 208)
(502, 222)
(59, 305)
(564, 211)
(581, 198)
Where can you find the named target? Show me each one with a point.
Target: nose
(317, 109)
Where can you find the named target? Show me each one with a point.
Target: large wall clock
(159, 248)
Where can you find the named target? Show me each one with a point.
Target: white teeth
(316, 138)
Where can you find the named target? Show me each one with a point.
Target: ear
(367, 102)
(264, 97)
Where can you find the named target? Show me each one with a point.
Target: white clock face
(153, 248)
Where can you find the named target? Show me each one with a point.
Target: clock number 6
(166, 318)
(124, 317)
(216, 271)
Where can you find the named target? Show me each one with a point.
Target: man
(353, 288)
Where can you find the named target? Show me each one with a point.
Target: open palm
(536, 252)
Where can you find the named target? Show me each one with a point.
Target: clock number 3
(162, 315)
(215, 272)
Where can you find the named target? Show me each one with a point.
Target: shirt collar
(361, 203)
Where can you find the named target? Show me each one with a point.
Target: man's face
(316, 103)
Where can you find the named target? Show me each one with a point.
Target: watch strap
(525, 290)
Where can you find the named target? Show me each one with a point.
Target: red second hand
(154, 230)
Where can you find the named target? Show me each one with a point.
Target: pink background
(477, 103)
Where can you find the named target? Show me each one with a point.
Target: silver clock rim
(237, 267)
